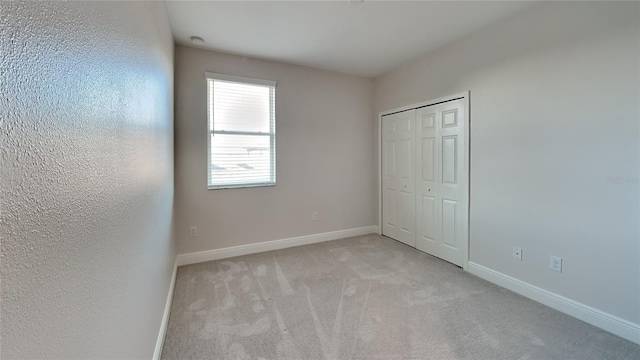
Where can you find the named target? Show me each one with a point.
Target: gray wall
(325, 155)
(554, 115)
(86, 178)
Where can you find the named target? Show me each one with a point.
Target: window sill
(238, 186)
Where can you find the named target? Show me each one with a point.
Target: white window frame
(210, 76)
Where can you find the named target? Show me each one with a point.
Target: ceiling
(367, 39)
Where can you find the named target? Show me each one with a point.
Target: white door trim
(465, 95)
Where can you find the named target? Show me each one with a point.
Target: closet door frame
(466, 165)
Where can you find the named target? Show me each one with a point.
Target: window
(242, 132)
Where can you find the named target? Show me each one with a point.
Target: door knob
(405, 186)
(428, 189)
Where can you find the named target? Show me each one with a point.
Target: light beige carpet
(366, 297)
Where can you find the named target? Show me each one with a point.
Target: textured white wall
(86, 178)
(325, 158)
(555, 113)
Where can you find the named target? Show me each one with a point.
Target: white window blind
(242, 132)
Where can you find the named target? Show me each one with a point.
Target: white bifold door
(425, 179)
(398, 177)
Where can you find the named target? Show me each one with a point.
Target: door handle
(428, 189)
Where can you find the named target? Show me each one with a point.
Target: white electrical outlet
(517, 253)
(193, 231)
(314, 216)
(555, 263)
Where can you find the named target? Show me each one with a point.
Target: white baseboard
(613, 324)
(209, 255)
(165, 317)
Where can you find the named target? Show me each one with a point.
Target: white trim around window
(241, 145)
(239, 79)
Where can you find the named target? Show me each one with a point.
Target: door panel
(453, 184)
(407, 212)
(449, 223)
(449, 159)
(390, 159)
(398, 182)
(389, 201)
(427, 166)
(429, 159)
(428, 120)
(389, 197)
(453, 187)
(450, 118)
(404, 153)
(404, 124)
(441, 220)
(429, 218)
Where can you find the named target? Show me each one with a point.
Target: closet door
(441, 181)
(427, 180)
(398, 177)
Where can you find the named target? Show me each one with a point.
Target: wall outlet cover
(555, 263)
(517, 253)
